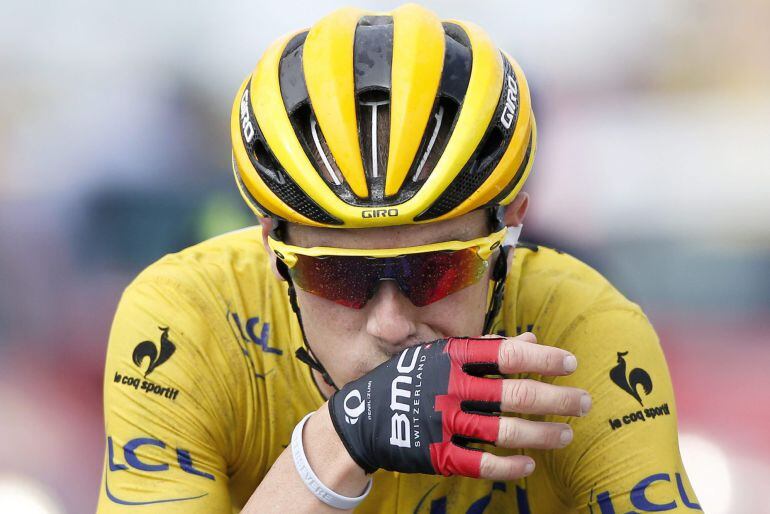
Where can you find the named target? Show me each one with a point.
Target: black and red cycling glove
(415, 412)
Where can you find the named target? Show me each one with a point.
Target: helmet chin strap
(496, 215)
(498, 289)
(305, 353)
(499, 273)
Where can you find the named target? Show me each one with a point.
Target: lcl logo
(642, 502)
(132, 460)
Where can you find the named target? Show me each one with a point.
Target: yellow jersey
(202, 391)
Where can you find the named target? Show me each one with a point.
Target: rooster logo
(148, 349)
(637, 377)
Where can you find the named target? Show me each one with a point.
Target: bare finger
(531, 397)
(512, 467)
(522, 355)
(523, 433)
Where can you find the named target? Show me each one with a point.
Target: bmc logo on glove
(401, 387)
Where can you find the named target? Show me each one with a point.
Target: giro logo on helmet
(511, 102)
(353, 413)
(247, 127)
(379, 213)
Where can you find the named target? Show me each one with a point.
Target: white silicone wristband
(312, 481)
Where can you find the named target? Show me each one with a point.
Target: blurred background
(652, 167)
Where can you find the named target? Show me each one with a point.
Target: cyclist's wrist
(329, 458)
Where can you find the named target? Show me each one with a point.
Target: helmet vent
(484, 159)
(373, 55)
(266, 163)
(458, 57)
(279, 182)
(292, 80)
(316, 148)
(491, 148)
(434, 141)
(457, 33)
(373, 136)
(321, 153)
(371, 21)
(439, 116)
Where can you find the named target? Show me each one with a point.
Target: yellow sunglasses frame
(288, 253)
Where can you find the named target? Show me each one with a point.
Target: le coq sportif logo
(149, 350)
(629, 382)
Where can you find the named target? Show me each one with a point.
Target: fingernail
(570, 363)
(566, 436)
(585, 404)
(529, 468)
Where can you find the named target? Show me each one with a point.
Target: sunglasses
(425, 273)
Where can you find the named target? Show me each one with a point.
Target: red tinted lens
(346, 280)
(428, 277)
(423, 277)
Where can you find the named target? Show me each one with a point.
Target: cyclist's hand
(416, 412)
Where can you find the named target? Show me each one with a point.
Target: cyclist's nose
(391, 314)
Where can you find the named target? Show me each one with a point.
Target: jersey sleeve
(166, 411)
(625, 452)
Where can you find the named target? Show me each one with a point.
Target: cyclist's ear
(266, 225)
(516, 210)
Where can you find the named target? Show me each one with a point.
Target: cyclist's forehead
(463, 228)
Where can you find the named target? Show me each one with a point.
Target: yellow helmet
(375, 119)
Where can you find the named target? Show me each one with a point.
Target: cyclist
(384, 155)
